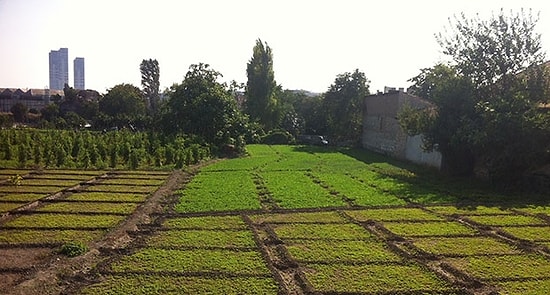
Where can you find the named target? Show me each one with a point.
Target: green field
(296, 219)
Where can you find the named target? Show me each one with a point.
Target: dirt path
(56, 274)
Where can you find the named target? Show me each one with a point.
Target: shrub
(73, 249)
(278, 137)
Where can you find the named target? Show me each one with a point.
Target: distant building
(79, 81)
(32, 98)
(59, 68)
(382, 132)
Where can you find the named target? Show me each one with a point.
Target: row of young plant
(191, 255)
(98, 150)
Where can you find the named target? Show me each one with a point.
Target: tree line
(490, 114)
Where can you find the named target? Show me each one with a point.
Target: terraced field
(294, 220)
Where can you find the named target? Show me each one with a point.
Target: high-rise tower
(59, 68)
(79, 73)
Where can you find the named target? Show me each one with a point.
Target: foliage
(303, 217)
(344, 231)
(377, 279)
(50, 220)
(19, 112)
(343, 105)
(444, 128)
(95, 150)
(261, 103)
(73, 249)
(124, 106)
(203, 107)
(89, 207)
(278, 137)
(166, 284)
(34, 236)
(489, 105)
(150, 75)
(462, 246)
(219, 191)
(508, 266)
(206, 222)
(311, 251)
(15, 179)
(196, 260)
(415, 229)
(229, 239)
(506, 220)
(393, 214)
(293, 189)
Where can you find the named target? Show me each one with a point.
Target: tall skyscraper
(79, 73)
(59, 68)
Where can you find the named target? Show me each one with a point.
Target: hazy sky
(312, 40)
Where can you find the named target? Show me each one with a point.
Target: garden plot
(357, 192)
(294, 189)
(219, 191)
(337, 256)
(197, 254)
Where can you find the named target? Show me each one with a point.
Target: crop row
(197, 254)
(72, 216)
(336, 256)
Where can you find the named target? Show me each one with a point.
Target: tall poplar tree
(150, 75)
(261, 104)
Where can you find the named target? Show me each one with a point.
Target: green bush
(278, 137)
(73, 249)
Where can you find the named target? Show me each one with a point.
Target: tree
(150, 75)
(491, 103)
(202, 106)
(261, 104)
(124, 104)
(19, 112)
(443, 127)
(343, 105)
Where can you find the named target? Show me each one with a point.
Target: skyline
(312, 41)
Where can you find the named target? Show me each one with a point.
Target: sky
(312, 40)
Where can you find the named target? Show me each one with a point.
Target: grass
(529, 287)
(449, 246)
(108, 197)
(419, 229)
(360, 193)
(503, 267)
(219, 191)
(506, 220)
(197, 260)
(133, 181)
(206, 222)
(383, 279)
(393, 214)
(50, 220)
(203, 238)
(469, 210)
(89, 207)
(26, 189)
(293, 189)
(321, 231)
(301, 217)
(159, 284)
(310, 251)
(26, 236)
(23, 197)
(5, 207)
(530, 233)
(135, 189)
(52, 182)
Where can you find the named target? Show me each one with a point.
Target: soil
(34, 270)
